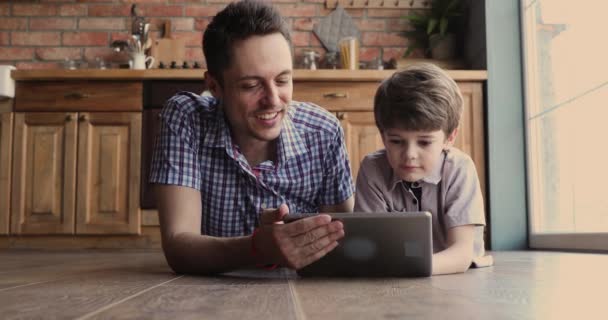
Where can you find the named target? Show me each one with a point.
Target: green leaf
(451, 5)
(416, 18)
(443, 26)
(431, 26)
(408, 52)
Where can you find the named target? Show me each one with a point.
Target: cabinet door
(6, 148)
(470, 138)
(151, 127)
(44, 169)
(361, 135)
(108, 173)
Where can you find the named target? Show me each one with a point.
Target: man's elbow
(184, 261)
(177, 259)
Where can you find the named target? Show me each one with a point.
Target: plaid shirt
(194, 149)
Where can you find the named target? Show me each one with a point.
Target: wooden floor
(139, 284)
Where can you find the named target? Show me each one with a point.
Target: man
(221, 161)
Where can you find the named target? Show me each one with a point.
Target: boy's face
(257, 87)
(414, 154)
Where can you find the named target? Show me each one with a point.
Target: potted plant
(434, 31)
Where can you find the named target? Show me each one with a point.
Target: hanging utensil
(138, 23)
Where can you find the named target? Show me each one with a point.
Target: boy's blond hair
(421, 97)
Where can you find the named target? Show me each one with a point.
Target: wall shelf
(380, 4)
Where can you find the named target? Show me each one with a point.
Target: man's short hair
(421, 97)
(238, 21)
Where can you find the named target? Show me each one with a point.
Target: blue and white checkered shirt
(194, 149)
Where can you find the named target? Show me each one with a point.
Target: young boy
(417, 111)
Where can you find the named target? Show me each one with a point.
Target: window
(566, 86)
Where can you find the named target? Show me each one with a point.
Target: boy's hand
(296, 244)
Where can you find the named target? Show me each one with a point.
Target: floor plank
(244, 294)
(19, 268)
(389, 299)
(94, 284)
(258, 301)
(86, 282)
(73, 297)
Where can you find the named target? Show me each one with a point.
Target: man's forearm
(197, 254)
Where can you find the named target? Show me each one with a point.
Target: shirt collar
(218, 133)
(433, 178)
(291, 144)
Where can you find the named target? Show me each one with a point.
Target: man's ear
(449, 140)
(213, 85)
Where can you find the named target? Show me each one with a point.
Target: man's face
(414, 154)
(257, 88)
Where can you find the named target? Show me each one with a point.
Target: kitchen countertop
(196, 74)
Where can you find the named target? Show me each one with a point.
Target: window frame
(537, 239)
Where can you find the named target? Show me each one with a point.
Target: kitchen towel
(335, 26)
(7, 84)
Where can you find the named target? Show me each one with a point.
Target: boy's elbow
(465, 265)
(465, 262)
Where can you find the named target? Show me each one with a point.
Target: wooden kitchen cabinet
(6, 148)
(44, 171)
(76, 173)
(471, 134)
(361, 136)
(109, 160)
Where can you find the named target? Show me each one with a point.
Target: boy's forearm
(197, 254)
(451, 260)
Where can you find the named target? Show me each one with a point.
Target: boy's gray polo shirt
(453, 186)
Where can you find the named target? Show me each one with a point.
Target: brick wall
(41, 34)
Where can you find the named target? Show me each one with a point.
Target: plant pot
(442, 47)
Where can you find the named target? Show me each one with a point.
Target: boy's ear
(449, 140)
(213, 85)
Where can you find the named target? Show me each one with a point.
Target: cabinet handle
(341, 115)
(76, 95)
(335, 95)
(83, 118)
(68, 118)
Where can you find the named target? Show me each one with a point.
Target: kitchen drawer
(337, 96)
(78, 96)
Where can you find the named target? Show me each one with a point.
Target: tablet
(382, 244)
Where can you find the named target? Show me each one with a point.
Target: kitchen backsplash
(42, 34)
